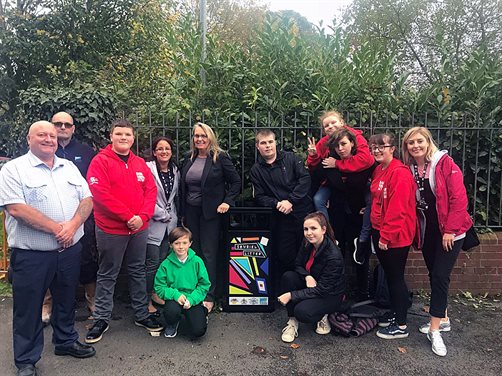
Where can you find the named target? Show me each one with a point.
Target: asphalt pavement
(250, 344)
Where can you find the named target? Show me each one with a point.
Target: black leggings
(309, 310)
(393, 261)
(440, 264)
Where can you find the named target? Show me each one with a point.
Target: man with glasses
(81, 155)
(125, 194)
(46, 201)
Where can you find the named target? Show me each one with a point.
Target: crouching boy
(182, 281)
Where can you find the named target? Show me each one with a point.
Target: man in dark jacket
(281, 181)
(81, 155)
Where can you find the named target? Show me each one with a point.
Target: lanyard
(420, 180)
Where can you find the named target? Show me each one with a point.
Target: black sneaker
(96, 332)
(150, 323)
(361, 251)
(171, 330)
(387, 318)
(392, 331)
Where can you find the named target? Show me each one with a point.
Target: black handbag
(471, 240)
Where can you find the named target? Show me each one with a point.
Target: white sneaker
(444, 326)
(323, 326)
(438, 346)
(290, 332)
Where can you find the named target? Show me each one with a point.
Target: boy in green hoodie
(182, 281)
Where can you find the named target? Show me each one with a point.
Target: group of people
(75, 215)
(385, 205)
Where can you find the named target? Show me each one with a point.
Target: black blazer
(220, 183)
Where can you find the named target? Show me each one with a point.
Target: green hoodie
(175, 278)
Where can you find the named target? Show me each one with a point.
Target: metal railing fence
(474, 144)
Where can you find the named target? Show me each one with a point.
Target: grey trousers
(112, 250)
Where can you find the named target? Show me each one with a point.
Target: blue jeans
(321, 198)
(365, 235)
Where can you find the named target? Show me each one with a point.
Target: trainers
(392, 331)
(438, 346)
(96, 332)
(387, 319)
(444, 326)
(150, 323)
(289, 333)
(323, 326)
(171, 330)
(361, 251)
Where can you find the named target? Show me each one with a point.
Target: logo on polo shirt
(140, 176)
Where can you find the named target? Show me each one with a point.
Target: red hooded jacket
(393, 207)
(361, 161)
(120, 191)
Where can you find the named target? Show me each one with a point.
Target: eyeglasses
(162, 149)
(59, 124)
(380, 148)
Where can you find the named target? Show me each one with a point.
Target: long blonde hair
(431, 149)
(214, 148)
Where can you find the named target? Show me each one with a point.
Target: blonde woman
(209, 186)
(443, 221)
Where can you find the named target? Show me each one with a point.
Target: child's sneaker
(323, 326)
(290, 332)
(444, 326)
(392, 331)
(171, 330)
(438, 346)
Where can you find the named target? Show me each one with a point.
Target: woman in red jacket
(393, 219)
(443, 222)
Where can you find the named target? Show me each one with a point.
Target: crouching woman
(316, 287)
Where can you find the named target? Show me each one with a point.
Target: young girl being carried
(318, 156)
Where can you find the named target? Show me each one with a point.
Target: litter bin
(248, 270)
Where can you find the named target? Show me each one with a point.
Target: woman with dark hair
(209, 186)
(351, 212)
(165, 217)
(393, 218)
(443, 222)
(316, 287)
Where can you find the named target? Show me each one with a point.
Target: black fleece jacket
(285, 179)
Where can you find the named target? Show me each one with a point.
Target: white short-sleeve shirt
(55, 192)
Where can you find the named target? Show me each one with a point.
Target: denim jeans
(321, 198)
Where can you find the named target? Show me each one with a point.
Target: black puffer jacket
(327, 269)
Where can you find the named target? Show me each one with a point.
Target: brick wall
(478, 271)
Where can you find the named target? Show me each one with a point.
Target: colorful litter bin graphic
(249, 280)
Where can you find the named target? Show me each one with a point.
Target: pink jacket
(447, 183)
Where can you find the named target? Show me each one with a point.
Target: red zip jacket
(120, 191)
(393, 207)
(447, 183)
(361, 161)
